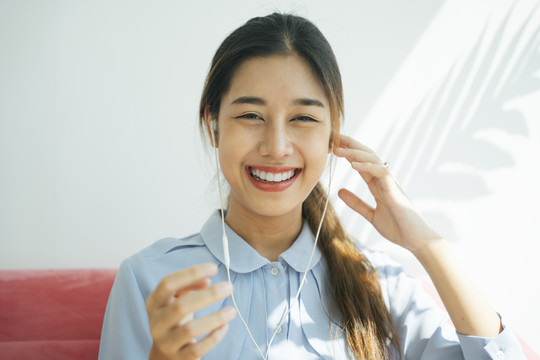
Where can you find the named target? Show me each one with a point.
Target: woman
(272, 105)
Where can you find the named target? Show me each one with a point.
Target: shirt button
(500, 354)
(277, 329)
(274, 271)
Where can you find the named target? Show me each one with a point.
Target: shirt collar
(245, 259)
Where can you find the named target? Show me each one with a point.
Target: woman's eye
(250, 116)
(304, 118)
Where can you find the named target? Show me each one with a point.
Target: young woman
(272, 106)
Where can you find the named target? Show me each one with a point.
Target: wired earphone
(225, 242)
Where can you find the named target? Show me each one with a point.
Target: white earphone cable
(290, 308)
(225, 242)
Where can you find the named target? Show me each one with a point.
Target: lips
(272, 178)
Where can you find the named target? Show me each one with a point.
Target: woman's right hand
(170, 310)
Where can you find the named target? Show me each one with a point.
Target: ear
(210, 122)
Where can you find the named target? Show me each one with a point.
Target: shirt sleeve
(125, 333)
(503, 346)
(425, 329)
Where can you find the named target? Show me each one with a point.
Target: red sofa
(52, 314)
(57, 314)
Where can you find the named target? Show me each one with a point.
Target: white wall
(100, 154)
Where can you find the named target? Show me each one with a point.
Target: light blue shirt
(263, 290)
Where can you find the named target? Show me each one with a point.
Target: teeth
(272, 177)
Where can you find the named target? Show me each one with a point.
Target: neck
(270, 236)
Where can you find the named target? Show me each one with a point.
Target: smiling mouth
(273, 178)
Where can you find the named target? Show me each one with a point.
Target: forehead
(276, 78)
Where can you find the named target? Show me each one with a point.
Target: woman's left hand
(394, 217)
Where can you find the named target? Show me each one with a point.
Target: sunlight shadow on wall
(444, 148)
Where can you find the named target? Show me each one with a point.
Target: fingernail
(224, 287)
(210, 268)
(229, 313)
(222, 330)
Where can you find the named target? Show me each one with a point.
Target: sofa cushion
(53, 313)
(50, 349)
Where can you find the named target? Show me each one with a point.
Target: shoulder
(146, 268)
(404, 295)
(381, 262)
(399, 289)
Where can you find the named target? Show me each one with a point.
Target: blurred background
(100, 153)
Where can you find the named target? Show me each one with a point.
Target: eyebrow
(296, 102)
(249, 100)
(307, 102)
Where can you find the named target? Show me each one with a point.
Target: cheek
(229, 154)
(315, 154)
(318, 162)
(236, 136)
(233, 149)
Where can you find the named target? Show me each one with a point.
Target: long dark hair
(355, 284)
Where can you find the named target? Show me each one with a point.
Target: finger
(385, 184)
(154, 314)
(357, 204)
(348, 142)
(198, 349)
(355, 155)
(175, 282)
(375, 170)
(370, 171)
(157, 325)
(199, 299)
(201, 285)
(187, 333)
(170, 316)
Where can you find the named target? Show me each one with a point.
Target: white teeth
(272, 177)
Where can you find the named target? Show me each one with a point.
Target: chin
(277, 209)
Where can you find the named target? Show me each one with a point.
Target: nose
(276, 141)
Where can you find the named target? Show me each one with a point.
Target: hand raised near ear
(394, 216)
